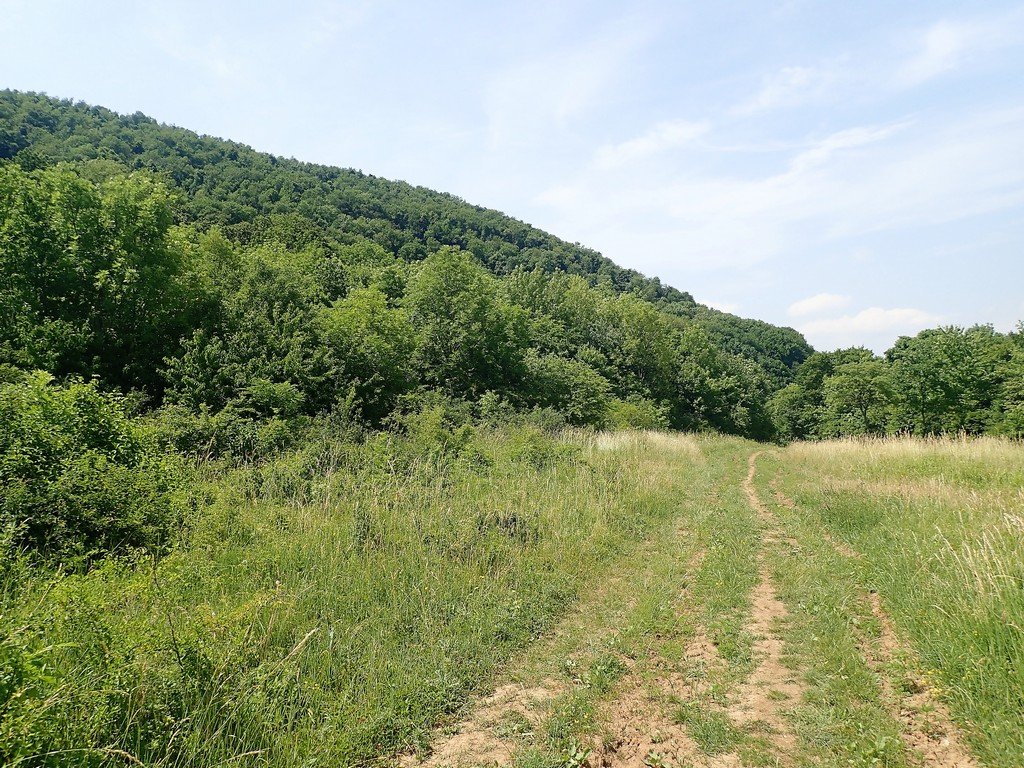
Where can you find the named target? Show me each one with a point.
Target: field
(512, 598)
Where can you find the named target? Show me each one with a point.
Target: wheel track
(926, 726)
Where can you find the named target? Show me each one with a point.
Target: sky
(851, 169)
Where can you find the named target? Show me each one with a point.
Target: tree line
(948, 380)
(100, 283)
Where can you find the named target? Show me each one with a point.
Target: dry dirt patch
(478, 740)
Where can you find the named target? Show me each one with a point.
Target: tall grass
(325, 608)
(941, 525)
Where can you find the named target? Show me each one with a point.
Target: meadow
(937, 527)
(508, 596)
(326, 607)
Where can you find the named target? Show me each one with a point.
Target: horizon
(896, 210)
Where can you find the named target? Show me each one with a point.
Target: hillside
(303, 467)
(254, 196)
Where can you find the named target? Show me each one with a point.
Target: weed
(710, 728)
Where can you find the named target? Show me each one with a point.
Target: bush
(76, 477)
(233, 433)
(636, 413)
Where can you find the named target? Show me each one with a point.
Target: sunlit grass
(940, 523)
(333, 604)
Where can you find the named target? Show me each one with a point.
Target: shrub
(636, 413)
(76, 476)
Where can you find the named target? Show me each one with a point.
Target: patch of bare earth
(638, 732)
(484, 737)
(925, 723)
(772, 688)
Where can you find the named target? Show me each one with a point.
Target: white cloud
(851, 138)
(787, 87)
(661, 137)
(875, 319)
(215, 55)
(875, 326)
(945, 45)
(849, 184)
(918, 56)
(941, 48)
(818, 304)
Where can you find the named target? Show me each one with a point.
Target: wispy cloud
(787, 87)
(947, 44)
(212, 55)
(661, 137)
(821, 151)
(923, 54)
(943, 45)
(528, 99)
(847, 184)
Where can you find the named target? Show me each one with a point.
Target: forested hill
(255, 197)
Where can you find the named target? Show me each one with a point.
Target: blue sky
(855, 170)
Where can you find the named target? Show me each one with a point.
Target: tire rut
(772, 687)
(926, 727)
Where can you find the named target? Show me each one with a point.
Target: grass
(711, 729)
(939, 524)
(334, 606)
(329, 607)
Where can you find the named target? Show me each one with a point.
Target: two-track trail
(692, 654)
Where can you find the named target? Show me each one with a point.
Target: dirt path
(642, 735)
(649, 721)
(772, 688)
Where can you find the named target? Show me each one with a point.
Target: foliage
(941, 381)
(92, 284)
(77, 476)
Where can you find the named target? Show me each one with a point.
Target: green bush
(235, 433)
(636, 413)
(76, 475)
